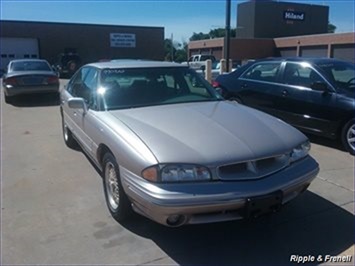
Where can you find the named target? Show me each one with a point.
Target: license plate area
(258, 206)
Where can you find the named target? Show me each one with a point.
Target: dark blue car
(315, 95)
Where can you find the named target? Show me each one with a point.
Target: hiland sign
(291, 15)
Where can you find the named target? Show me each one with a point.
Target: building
(24, 39)
(272, 29)
(272, 19)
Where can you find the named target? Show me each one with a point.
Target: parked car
(25, 76)
(164, 141)
(199, 60)
(67, 64)
(216, 70)
(315, 95)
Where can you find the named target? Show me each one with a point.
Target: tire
(8, 99)
(68, 136)
(116, 199)
(235, 99)
(348, 136)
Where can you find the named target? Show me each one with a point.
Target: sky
(180, 18)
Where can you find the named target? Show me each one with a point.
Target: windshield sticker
(113, 71)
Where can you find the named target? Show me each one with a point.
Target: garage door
(17, 48)
(314, 51)
(288, 52)
(344, 52)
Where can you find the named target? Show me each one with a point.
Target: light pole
(227, 35)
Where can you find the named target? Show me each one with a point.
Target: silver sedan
(171, 149)
(27, 76)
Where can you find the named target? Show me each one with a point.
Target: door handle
(284, 93)
(244, 85)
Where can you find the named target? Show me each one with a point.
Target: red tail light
(215, 84)
(10, 81)
(52, 80)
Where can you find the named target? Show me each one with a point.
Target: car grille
(253, 169)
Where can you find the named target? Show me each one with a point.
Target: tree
(179, 51)
(167, 50)
(331, 28)
(214, 33)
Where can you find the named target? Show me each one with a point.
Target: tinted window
(301, 74)
(124, 88)
(30, 66)
(263, 72)
(84, 85)
(342, 73)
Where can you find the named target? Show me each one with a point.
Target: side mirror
(203, 68)
(319, 86)
(78, 103)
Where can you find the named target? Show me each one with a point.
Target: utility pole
(172, 48)
(227, 35)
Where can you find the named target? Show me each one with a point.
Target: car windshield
(127, 88)
(342, 73)
(29, 66)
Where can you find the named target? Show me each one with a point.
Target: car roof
(133, 63)
(315, 60)
(29, 60)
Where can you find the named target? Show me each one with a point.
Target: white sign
(125, 40)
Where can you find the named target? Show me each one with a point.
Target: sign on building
(292, 15)
(123, 40)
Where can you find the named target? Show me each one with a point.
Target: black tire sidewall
(344, 136)
(70, 142)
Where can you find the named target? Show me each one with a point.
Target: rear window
(30, 66)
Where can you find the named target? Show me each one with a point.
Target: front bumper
(10, 90)
(216, 200)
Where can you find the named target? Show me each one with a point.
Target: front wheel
(68, 136)
(116, 199)
(348, 136)
(8, 99)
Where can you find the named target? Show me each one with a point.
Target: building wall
(266, 19)
(92, 42)
(337, 45)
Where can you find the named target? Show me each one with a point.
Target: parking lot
(53, 209)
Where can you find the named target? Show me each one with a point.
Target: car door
(259, 86)
(71, 115)
(303, 105)
(83, 86)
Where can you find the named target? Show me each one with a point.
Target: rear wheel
(348, 136)
(116, 199)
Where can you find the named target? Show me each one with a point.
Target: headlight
(300, 151)
(177, 173)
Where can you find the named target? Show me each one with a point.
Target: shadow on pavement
(36, 100)
(310, 225)
(330, 143)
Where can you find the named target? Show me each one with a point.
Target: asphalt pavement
(53, 209)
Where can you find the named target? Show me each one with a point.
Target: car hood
(209, 133)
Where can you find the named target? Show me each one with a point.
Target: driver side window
(84, 84)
